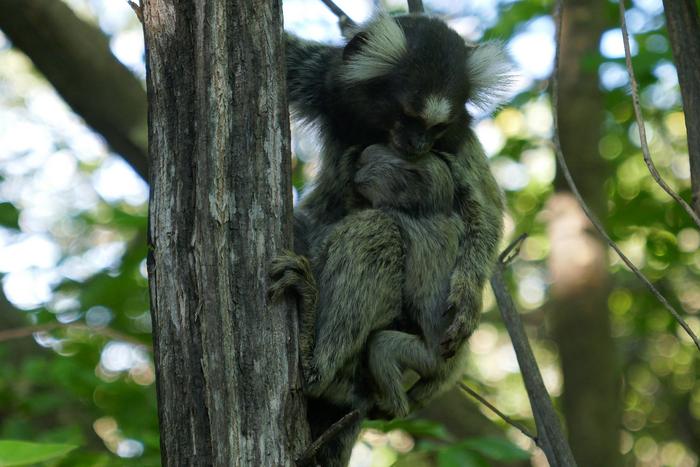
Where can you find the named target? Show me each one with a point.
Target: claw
(279, 266)
(288, 281)
(287, 272)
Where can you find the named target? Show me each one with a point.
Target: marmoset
(404, 83)
(411, 225)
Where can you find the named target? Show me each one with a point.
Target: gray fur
(385, 47)
(400, 246)
(434, 244)
(491, 74)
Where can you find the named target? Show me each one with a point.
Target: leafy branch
(574, 189)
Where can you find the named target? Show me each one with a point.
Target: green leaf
(416, 427)
(9, 216)
(24, 452)
(499, 449)
(415, 459)
(459, 457)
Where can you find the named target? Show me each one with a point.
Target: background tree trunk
(683, 27)
(578, 311)
(75, 58)
(226, 359)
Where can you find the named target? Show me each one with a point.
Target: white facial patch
(436, 110)
(490, 74)
(384, 47)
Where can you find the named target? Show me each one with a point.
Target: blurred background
(75, 356)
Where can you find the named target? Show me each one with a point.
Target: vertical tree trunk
(578, 311)
(683, 27)
(226, 359)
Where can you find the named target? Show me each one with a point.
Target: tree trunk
(226, 359)
(683, 27)
(578, 311)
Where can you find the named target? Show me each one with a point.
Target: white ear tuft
(383, 47)
(490, 74)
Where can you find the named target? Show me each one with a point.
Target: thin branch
(326, 436)
(415, 6)
(26, 331)
(574, 189)
(550, 436)
(19, 333)
(495, 410)
(346, 23)
(512, 250)
(640, 122)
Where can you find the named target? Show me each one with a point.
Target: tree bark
(578, 311)
(75, 58)
(550, 436)
(684, 32)
(226, 359)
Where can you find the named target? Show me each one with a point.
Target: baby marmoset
(417, 192)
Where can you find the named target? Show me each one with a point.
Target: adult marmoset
(403, 82)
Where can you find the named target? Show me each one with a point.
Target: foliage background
(75, 358)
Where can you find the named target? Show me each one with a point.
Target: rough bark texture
(75, 57)
(226, 359)
(578, 309)
(683, 27)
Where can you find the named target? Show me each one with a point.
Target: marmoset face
(409, 76)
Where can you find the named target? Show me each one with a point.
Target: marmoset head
(410, 78)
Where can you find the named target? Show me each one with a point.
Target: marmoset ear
(378, 47)
(355, 45)
(491, 74)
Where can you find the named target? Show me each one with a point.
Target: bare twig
(640, 123)
(137, 9)
(512, 250)
(326, 436)
(495, 410)
(550, 436)
(346, 23)
(19, 333)
(574, 189)
(26, 331)
(415, 6)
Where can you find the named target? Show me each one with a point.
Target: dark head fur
(405, 81)
(400, 81)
